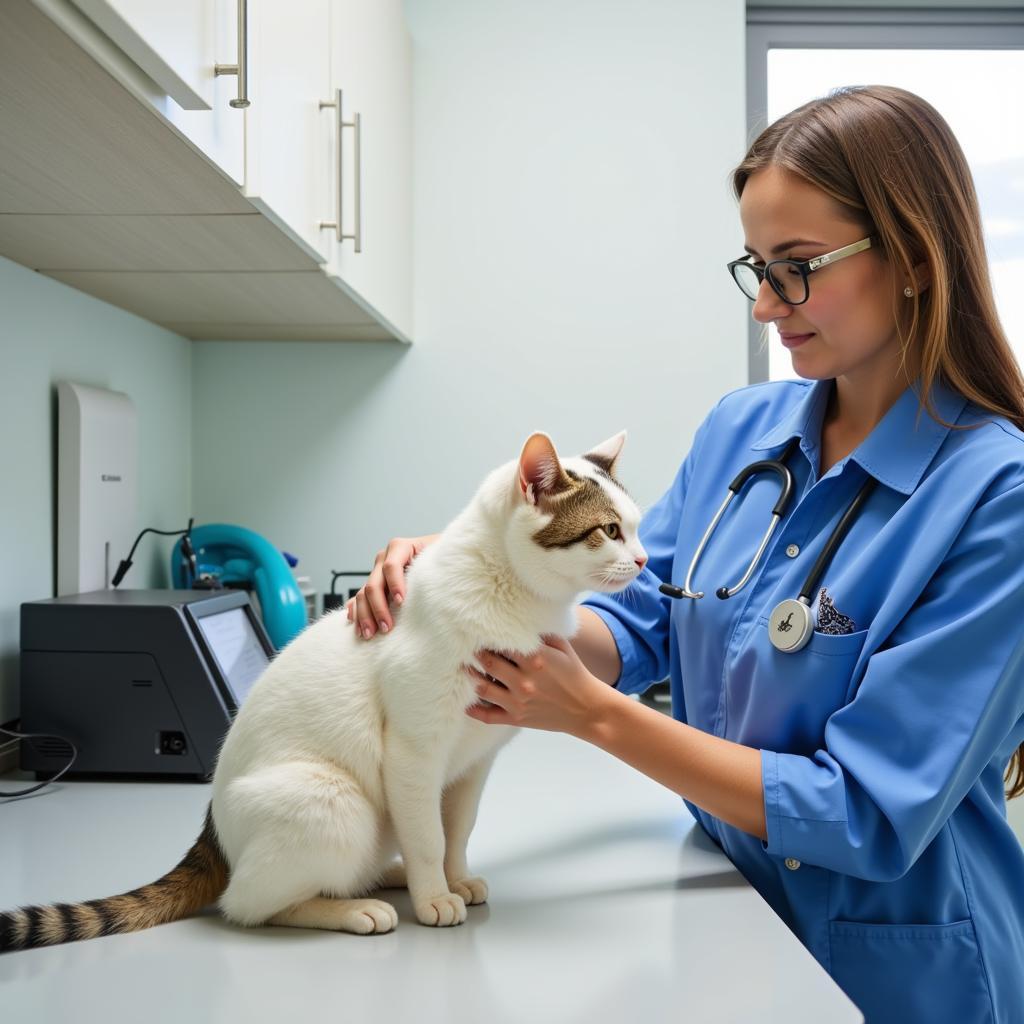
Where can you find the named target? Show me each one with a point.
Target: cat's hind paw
(369, 917)
(441, 911)
(361, 917)
(472, 890)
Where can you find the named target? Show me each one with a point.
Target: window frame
(806, 28)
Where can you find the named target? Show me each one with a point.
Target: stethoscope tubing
(786, 488)
(781, 618)
(844, 524)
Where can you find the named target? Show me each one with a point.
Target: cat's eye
(613, 531)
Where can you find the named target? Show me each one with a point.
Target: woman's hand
(369, 609)
(548, 689)
(552, 689)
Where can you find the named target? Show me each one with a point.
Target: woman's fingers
(365, 622)
(378, 615)
(394, 578)
(502, 667)
(549, 688)
(386, 584)
(372, 611)
(375, 592)
(488, 689)
(558, 643)
(488, 714)
(483, 682)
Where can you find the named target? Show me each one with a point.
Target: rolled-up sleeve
(935, 708)
(638, 616)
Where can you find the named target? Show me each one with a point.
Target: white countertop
(607, 904)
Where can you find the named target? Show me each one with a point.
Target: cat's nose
(640, 563)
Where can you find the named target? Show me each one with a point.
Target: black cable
(333, 600)
(40, 736)
(335, 573)
(186, 547)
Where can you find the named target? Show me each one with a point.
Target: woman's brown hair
(891, 162)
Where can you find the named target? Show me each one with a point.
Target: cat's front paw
(472, 890)
(441, 911)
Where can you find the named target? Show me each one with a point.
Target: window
(969, 66)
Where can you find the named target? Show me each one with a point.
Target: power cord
(333, 600)
(186, 549)
(16, 736)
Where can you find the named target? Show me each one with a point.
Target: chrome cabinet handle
(358, 181)
(242, 67)
(356, 123)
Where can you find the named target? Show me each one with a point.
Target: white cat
(347, 753)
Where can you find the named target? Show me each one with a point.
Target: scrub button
(792, 863)
(792, 551)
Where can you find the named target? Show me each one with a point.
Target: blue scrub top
(882, 749)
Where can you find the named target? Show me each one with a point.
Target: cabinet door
(371, 63)
(288, 135)
(177, 46)
(172, 43)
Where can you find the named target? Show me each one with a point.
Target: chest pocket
(782, 701)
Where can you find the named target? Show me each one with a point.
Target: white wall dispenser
(97, 485)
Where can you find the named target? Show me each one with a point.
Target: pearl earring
(908, 291)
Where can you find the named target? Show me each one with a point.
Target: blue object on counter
(236, 555)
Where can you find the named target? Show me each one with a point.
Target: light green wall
(50, 332)
(573, 222)
(565, 206)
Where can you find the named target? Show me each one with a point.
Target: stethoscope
(790, 625)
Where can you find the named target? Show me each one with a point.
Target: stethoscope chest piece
(790, 625)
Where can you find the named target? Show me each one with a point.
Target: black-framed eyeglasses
(788, 278)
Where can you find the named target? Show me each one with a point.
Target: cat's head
(573, 527)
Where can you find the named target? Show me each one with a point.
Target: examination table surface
(607, 903)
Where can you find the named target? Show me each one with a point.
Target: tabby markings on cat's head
(582, 509)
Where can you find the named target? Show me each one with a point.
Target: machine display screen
(236, 647)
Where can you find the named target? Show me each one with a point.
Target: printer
(145, 683)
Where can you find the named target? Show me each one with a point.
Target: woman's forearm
(595, 646)
(719, 776)
(722, 777)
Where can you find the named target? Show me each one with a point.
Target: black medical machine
(142, 682)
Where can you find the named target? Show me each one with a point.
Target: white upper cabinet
(270, 200)
(172, 43)
(371, 67)
(178, 46)
(288, 141)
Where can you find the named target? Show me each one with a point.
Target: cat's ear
(540, 472)
(606, 455)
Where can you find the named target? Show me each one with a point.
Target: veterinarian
(848, 693)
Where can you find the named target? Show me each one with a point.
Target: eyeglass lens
(784, 277)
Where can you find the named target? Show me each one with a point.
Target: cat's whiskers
(607, 576)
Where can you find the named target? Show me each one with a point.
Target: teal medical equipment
(235, 556)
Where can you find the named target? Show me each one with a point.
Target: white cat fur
(346, 752)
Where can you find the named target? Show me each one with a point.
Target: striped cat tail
(196, 882)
